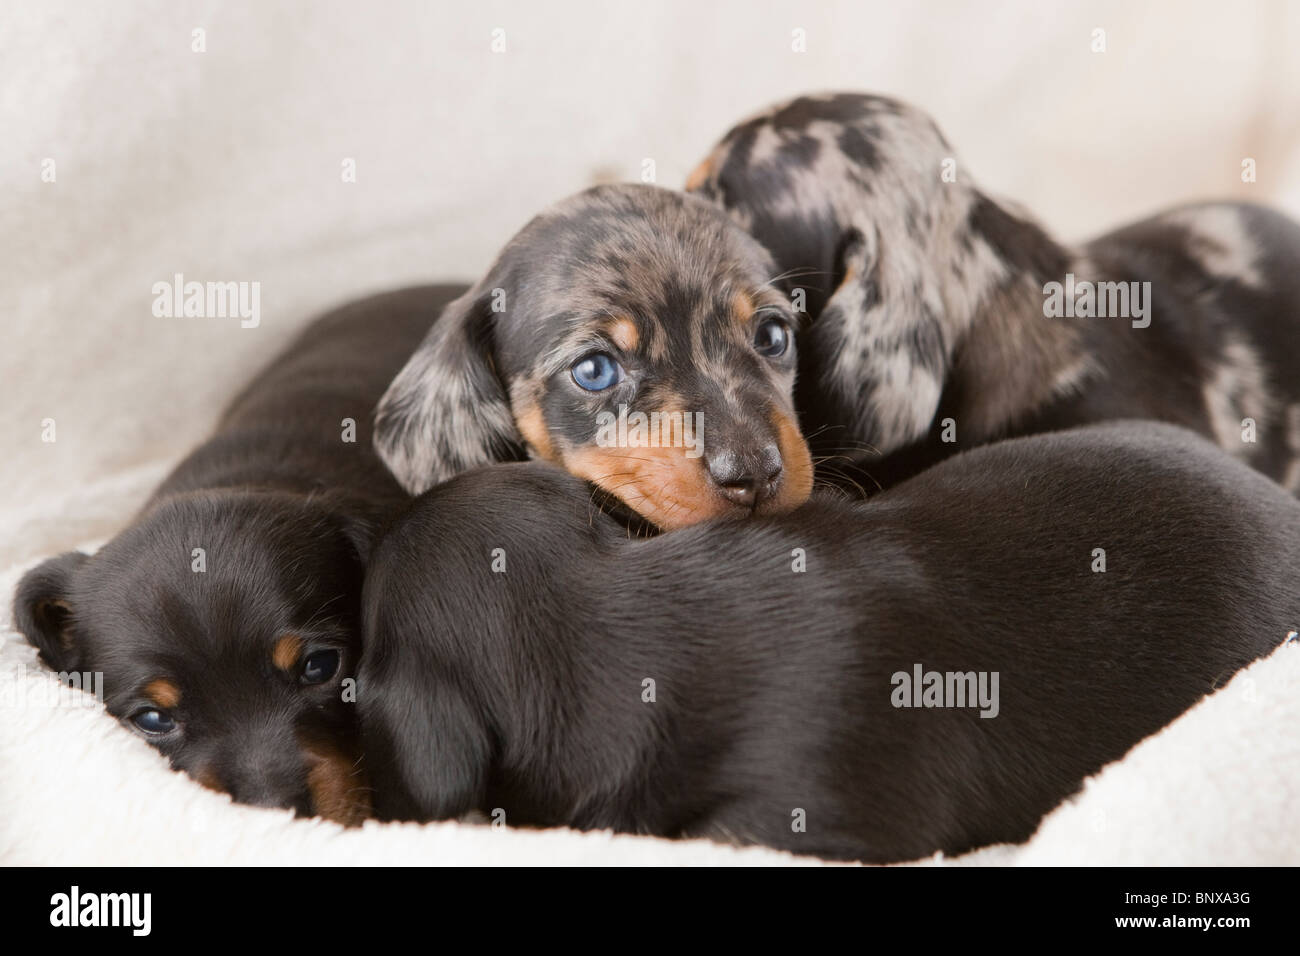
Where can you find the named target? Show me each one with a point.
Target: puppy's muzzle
(746, 478)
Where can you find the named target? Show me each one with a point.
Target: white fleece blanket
(128, 155)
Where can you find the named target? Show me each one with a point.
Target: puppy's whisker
(820, 481)
(795, 273)
(846, 444)
(311, 622)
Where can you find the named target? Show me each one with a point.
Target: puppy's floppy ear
(360, 530)
(878, 353)
(447, 411)
(43, 610)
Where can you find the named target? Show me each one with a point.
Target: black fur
(285, 511)
(522, 688)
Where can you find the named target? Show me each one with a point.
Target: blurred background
(226, 163)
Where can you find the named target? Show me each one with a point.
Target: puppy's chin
(671, 514)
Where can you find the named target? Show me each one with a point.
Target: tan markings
(699, 175)
(742, 307)
(163, 692)
(797, 467)
(624, 334)
(667, 488)
(207, 777)
(286, 652)
(532, 426)
(660, 484)
(336, 781)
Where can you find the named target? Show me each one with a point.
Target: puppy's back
(1109, 576)
(304, 422)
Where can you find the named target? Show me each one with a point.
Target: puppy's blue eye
(772, 338)
(154, 721)
(597, 372)
(319, 667)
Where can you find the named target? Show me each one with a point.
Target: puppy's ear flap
(878, 352)
(447, 411)
(361, 532)
(43, 610)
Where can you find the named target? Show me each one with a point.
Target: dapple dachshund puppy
(230, 661)
(930, 301)
(770, 681)
(618, 307)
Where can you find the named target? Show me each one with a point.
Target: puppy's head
(223, 626)
(881, 236)
(631, 335)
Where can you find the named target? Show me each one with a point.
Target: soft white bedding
(227, 165)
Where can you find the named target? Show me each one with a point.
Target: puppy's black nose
(746, 480)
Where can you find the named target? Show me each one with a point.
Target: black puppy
(942, 318)
(224, 619)
(932, 670)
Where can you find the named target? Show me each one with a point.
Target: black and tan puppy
(770, 681)
(633, 336)
(224, 619)
(932, 302)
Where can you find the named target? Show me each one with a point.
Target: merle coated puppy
(942, 318)
(933, 669)
(225, 618)
(633, 336)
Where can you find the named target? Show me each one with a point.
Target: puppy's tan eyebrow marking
(622, 331)
(163, 692)
(742, 307)
(286, 652)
